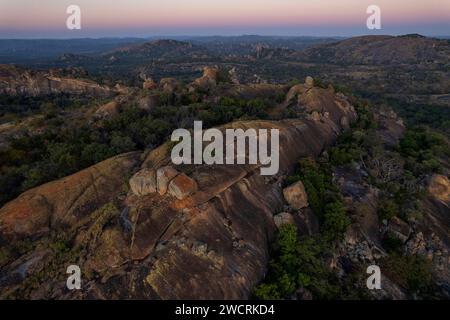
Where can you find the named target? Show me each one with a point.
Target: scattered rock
(417, 244)
(296, 195)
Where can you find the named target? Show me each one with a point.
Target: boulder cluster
(164, 180)
(297, 199)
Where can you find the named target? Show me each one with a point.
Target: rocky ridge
(181, 232)
(18, 81)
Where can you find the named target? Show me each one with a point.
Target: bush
(295, 263)
(392, 243)
(412, 272)
(422, 149)
(387, 209)
(336, 220)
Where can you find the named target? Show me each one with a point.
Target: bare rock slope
(19, 81)
(197, 232)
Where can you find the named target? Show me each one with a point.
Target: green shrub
(387, 209)
(412, 272)
(392, 243)
(336, 220)
(297, 263)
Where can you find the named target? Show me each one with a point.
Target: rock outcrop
(208, 80)
(149, 84)
(206, 237)
(107, 110)
(18, 81)
(148, 102)
(63, 202)
(439, 188)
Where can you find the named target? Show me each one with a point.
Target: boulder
(107, 110)
(209, 78)
(148, 102)
(309, 82)
(149, 84)
(143, 182)
(296, 195)
(345, 123)
(282, 219)
(234, 77)
(439, 188)
(211, 73)
(168, 85)
(182, 186)
(163, 177)
(315, 116)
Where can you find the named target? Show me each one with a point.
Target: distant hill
(158, 49)
(380, 50)
(24, 50)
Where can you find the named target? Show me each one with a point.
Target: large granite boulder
(296, 195)
(182, 186)
(163, 177)
(143, 182)
(439, 188)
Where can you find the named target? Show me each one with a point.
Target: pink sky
(180, 15)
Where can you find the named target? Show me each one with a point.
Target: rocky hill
(380, 50)
(355, 188)
(19, 81)
(158, 50)
(166, 232)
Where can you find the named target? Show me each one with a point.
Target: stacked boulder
(165, 180)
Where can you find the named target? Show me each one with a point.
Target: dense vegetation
(301, 262)
(64, 147)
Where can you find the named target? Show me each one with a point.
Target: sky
(145, 18)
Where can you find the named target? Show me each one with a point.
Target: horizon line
(160, 37)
